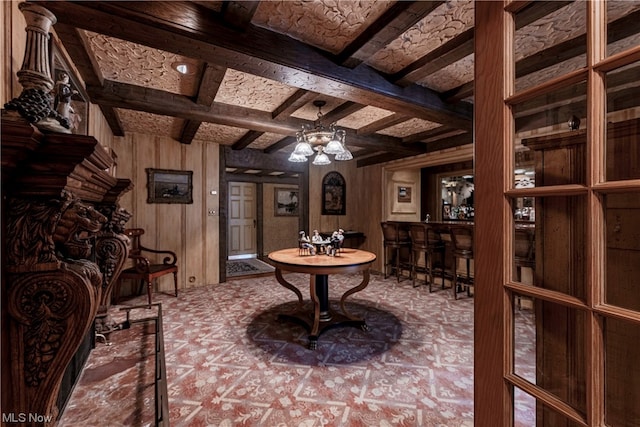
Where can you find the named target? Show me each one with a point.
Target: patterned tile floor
(231, 362)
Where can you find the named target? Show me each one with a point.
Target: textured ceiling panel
(557, 27)
(265, 140)
(148, 123)
(251, 91)
(444, 23)
(564, 24)
(131, 63)
(409, 127)
(328, 24)
(363, 117)
(310, 111)
(220, 134)
(450, 77)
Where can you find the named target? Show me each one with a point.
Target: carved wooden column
(35, 103)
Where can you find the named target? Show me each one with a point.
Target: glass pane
(524, 409)
(550, 138)
(457, 198)
(549, 342)
(623, 123)
(541, 415)
(549, 41)
(622, 373)
(549, 248)
(623, 31)
(622, 213)
(524, 339)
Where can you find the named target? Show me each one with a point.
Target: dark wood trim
(491, 218)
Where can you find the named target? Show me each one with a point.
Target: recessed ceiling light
(183, 68)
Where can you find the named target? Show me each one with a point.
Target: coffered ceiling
(398, 76)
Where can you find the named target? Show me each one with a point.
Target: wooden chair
(462, 239)
(143, 269)
(396, 239)
(425, 241)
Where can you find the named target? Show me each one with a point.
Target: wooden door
(242, 220)
(578, 125)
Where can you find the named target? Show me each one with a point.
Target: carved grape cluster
(35, 105)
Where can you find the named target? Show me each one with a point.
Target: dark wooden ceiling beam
(246, 139)
(379, 158)
(462, 46)
(452, 51)
(164, 103)
(256, 159)
(75, 45)
(431, 135)
(299, 99)
(210, 82)
(459, 93)
(395, 21)
(385, 122)
(341, 111)
(170, 104)
(283, 143)
(536, 10)
(528, 14)
(239, 13)
(456, 141)
(183, 29)
(617, 30)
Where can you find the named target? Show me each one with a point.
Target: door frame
(232, 161)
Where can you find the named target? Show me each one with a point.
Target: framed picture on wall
(403, 201)
(286, 202)
(404, 194)
(334, 194)
(169, 186)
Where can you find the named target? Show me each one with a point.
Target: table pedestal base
(323, 317)
(302, 317)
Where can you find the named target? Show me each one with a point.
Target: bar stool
(425, 240)
(396, 239)
(462, 239)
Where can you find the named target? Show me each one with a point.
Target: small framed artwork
(286, 202)
(404, 194)
(403, 201)
(169, 186)
(333, 194)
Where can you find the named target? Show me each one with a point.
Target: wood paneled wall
(364, 209)
(278, 231)
(186, 229)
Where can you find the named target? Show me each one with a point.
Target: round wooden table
(319, 267)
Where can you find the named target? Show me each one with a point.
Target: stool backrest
(462, 238)
(418, 233)
(393, 232)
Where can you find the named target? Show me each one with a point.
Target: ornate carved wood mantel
(63, 238)
(63, 249)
